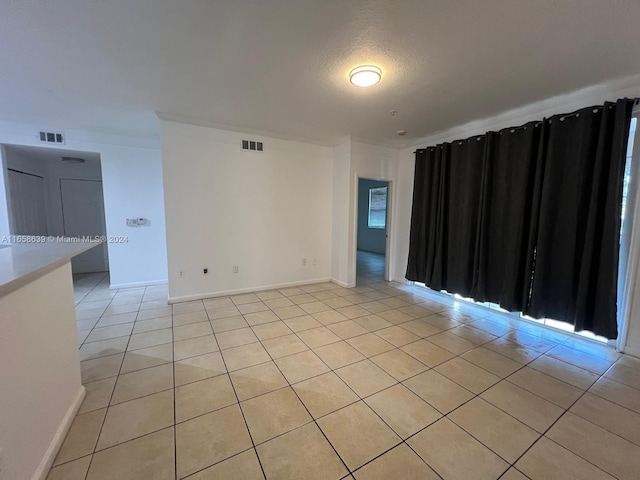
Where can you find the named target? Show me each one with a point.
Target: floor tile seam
(420, 457)
(568, 450)
(164, 390)
(604, 375)
(509, 464)
(191, 338)
(360, 399)
(154, 345)
(460, 356)
(506, 379)
(66, 462)
(290, 386)
(105, 339)
(599, 375)
(104, 419)
(544, 434)
(514, 468)
(550, 376)
(120, 352)
(473, 398)
(605, 427)
(173, 377)
(577, 366)
(473, 341)
(186, 477)
(370, 358)
(496, 352)
(401, 442)
(128, 440)
(149, 331)
(92, 288)
(612, 401)
(99, 318)
(537, 433)
(505, 356)
(597, 357)
(244, 419)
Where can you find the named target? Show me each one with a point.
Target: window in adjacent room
(377, 207)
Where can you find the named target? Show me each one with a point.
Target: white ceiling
(281, 65)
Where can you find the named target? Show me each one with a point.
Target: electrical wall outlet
(314, 261)
(236, 269)
(181, 273)
(304, 261)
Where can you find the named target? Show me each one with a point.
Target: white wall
(340, 213)
(132, 186)
(40, 390)
(403, 205)
(594, 95)
(377, 163)
(352, 160)
(261, 211)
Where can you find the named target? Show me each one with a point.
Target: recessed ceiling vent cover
(252, 146)
(51, 137)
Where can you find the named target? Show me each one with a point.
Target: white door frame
(630, 245)
(353, 253)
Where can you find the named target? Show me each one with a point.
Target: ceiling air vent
(252, 146)
(51, 137)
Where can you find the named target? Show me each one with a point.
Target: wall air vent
(51, 137)
(252, 146)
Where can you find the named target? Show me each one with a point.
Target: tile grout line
(175, 425)
(360, 399)
(109, 403)
(313, 420)
(368, 358)
(554, 423)
(107, 407)
(246, 424)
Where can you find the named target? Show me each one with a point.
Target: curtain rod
(636, 102)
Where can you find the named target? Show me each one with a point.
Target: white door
(28, 211)
(83, 215)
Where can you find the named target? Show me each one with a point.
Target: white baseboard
(50, 455)
(342, 284)
(402, 280)
(225, 293)
(115, 286)
(634, 352)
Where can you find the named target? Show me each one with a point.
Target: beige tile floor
(381, 381)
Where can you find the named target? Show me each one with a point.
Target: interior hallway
(369, 267)
(326, 382)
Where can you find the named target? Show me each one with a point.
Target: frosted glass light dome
(365, 76)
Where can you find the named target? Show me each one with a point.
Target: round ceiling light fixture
(365, 76)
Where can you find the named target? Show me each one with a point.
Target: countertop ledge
(21, 264)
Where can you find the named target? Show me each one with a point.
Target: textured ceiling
(281, 66)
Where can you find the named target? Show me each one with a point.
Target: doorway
(83, 215)
(28, 205)
(372, 231)
(56, 193)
